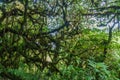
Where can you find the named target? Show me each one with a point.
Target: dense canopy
(60, 39)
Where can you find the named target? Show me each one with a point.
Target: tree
(39, 35)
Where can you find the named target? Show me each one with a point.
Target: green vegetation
(59, 40)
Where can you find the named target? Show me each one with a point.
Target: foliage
(59, 40)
